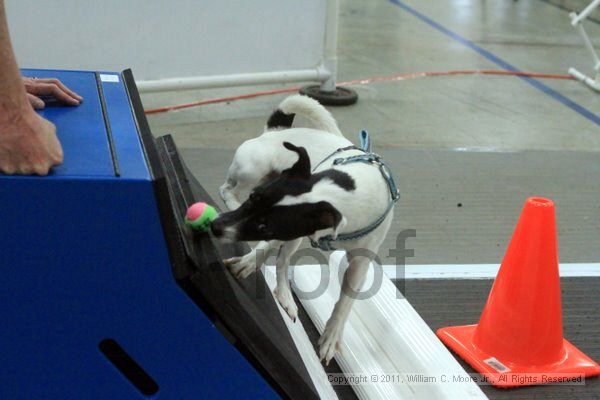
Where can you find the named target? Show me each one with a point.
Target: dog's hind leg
(229, 194)
(241, 181)
(238, 181)
(283, 292)
(354, 277)
(240, 177)
(250, 165)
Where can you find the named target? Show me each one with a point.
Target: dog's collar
(368, 157)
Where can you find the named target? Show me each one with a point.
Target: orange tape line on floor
(365, 81)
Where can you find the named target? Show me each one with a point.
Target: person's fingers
(52, 144)
(25, 169)
(8, 169)
(63, 87)
(45, 86)
(40, 169)
(64, 96)
(45, 89)
(36, 102)
(57, 156)
(55, 150)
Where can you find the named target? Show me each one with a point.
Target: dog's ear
(301, 168)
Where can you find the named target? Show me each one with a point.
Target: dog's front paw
(286, 300)
(242, 267)
(331, 341)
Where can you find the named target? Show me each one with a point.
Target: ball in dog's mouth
(199, 216)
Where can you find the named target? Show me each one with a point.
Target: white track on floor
(304, 346)
(469, 271)
(385, 337)
(477, 271)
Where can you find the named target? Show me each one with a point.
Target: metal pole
(331, 39)
(205, 82)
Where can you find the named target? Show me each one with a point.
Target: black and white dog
(288, 201)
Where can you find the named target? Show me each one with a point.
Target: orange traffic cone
(519, 339)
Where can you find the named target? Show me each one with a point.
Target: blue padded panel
(83, 258)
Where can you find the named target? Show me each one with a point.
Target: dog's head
(276, 210)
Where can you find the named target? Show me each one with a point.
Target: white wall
(163, 39)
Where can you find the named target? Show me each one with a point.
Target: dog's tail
(306, 107)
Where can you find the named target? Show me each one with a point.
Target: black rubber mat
(459, 302)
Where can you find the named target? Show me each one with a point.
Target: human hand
(49, 87)
(28, 143)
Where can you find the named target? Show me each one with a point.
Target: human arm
(28, 142)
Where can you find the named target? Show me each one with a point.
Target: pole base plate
(341, 96)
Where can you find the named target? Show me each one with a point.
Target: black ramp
(245, 311)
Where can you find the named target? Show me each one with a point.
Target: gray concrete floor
(483, 141)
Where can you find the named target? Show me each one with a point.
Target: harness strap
(341, 149)
(365, 141)
(372, 158)
(325, 243)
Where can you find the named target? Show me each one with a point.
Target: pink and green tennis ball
(200, 215)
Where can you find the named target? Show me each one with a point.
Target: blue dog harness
(325, 243)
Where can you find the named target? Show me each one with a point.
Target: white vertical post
(330, 49)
